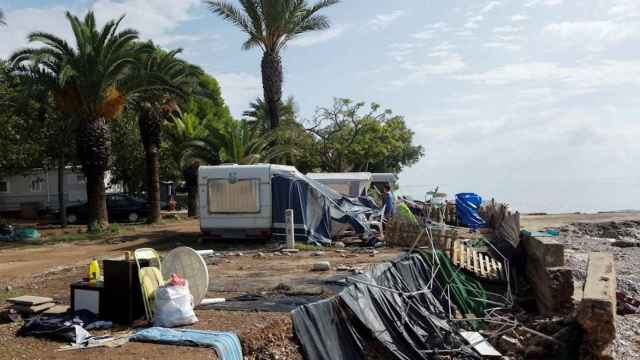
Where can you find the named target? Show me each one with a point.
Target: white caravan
(352, 184)
(235, 200)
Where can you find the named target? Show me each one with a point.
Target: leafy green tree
(270, 24)
(348, 138)
(94, 89)
(21, 127)
(183, 153)
(128, 164)
(206, 101)
(166, 78)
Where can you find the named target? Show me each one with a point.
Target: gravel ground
(581, 238)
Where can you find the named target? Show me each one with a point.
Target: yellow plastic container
(94, 272)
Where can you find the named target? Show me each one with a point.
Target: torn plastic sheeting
(319, 212)
(227, 345)
(374, 318)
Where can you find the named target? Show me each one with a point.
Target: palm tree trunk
(61, 203)
(272, 85)
(152, 162)
(149, 124)
(190, 175)
(96, 201)
(94, 150)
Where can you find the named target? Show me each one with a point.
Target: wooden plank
(493, 269)
(476, 265)
(463, 255)
(56, 310)
(30, 300)
(469, 259)
(483, 270)
(34, 309)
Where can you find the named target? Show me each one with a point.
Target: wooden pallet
(479, 263)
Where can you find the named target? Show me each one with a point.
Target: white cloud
(152, 18)
(519, 17)
(507, 29)
(443, 46)
(381, 21)
(533, 3)
(604, 30)
(431, 30)
(490, 6)
(446, 63)
(581, 78)
(502, 45)
(473, 21)
(318, 37)
(21, 22)
(238, 90)
(157, 19)
(625, 8)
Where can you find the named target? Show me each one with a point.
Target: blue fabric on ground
(467, 205)
(226, 344)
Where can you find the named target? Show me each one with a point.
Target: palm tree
(165, 77)
(185, 137)
(2, 22)
(258, 114)
(270, 24)
(238, 142)
(93, 89)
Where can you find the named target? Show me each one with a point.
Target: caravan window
(4, 187)
(241, 196)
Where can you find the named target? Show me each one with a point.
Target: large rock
(597, 310)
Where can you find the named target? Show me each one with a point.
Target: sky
(532, 102)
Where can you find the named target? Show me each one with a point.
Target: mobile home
(39, 188)
(352, 184)
(249, 201)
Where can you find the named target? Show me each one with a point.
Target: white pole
(289, 223)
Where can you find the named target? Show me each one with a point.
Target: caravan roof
(361, 176)
(384, 177)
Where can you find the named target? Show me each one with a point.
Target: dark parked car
(120, 207)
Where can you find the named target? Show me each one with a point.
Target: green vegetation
(110, 102)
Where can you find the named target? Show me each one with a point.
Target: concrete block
(552, 287)
(597, 310)
(547, 251)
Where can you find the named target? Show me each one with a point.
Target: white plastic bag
(174, 306)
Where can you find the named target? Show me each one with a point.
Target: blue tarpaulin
(226, 344)
(467, 205)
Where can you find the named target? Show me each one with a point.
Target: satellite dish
(188, 264)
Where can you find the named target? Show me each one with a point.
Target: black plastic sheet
(386, 313)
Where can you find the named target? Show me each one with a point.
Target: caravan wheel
(133, 217)
(72, 218)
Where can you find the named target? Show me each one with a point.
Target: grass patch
(308, 247)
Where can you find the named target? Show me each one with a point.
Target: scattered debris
(321, 266)
(318, 253)
(339, 244)
(627, 305)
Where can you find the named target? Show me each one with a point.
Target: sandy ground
(47, 270)
(539, 222)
